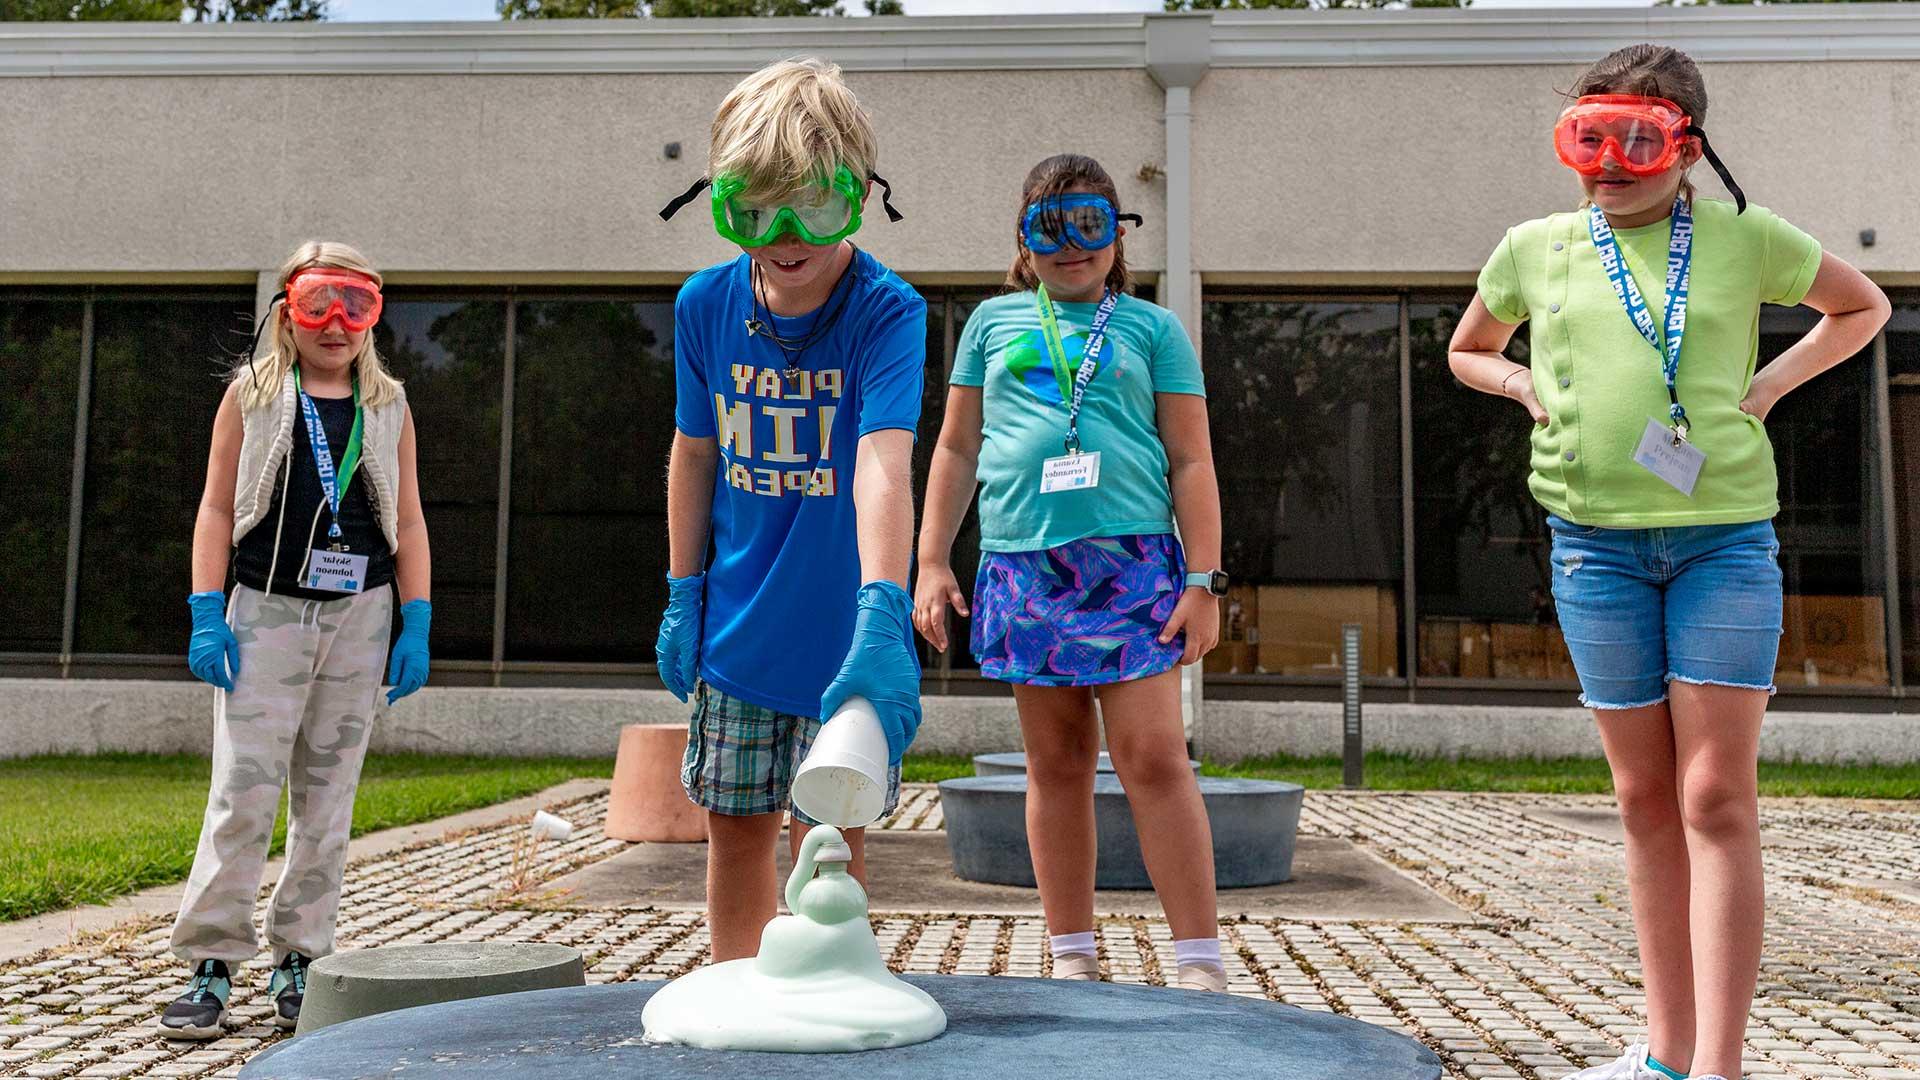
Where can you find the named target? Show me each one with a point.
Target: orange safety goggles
(1643, 136)
(316, 297)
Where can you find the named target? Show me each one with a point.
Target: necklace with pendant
(793, 347)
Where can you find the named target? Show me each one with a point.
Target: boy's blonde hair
(787, 128)
(260, 379)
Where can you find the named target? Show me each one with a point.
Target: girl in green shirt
(1652, 461)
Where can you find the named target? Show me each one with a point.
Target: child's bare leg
(1149, 751)
(741, 887)
(1063, 746)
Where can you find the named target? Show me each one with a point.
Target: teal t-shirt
(1024, 419)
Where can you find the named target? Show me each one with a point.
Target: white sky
(411, 10)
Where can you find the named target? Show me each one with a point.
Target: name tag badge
(336, 571)
(1075, 472)
(1679, 465)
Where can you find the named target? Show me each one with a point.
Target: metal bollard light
(1353, 752)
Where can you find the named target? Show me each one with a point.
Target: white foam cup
(548, 827)
(843, 781)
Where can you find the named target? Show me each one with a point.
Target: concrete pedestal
(996, 1027)
(365, 982)
(1254, 823)
(647, 802)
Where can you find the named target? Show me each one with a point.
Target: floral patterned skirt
(1085, 613)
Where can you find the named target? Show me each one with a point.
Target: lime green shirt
(1600, 381)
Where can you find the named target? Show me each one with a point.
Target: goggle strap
(1135, 218)
(1713, 159)
(684, 198)
(886, 196)
(260, 327)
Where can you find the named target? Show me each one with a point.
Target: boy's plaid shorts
(741, 757)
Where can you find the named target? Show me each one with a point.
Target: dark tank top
(360, 528)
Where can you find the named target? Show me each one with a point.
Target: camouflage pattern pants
(299, 717)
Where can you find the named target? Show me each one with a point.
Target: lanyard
(1665, 340)
(334, 487)
(1073, 387)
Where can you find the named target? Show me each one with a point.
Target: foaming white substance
(818, 986)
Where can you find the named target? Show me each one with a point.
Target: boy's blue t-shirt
(786, 562)
(1024, 419)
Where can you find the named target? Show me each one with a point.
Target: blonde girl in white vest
(311, 503)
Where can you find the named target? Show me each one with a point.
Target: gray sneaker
(201, 1012)
(288, 988)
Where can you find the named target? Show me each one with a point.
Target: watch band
(1214, 581)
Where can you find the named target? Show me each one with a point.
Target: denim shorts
(1643, 607)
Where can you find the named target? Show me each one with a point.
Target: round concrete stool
(996, 1026)
(647, 802)
(363, 982)
(1015, 764)
(1253, 822)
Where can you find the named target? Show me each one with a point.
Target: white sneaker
(1076, 967)
(1631, 1065)
(1203, 977)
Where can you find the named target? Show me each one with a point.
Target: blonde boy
(798, 369)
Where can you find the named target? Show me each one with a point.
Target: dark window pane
(593, 426)
(39, 385)
(158, 370)
(933, 409)
(1903, 376)
(451, 354)
(965, 558)
(1486, 600)
(1304, 402)
(1830, 521)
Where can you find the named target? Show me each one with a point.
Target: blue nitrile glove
(677, 649)
(407, 667)
(882, 666)
(212, 652)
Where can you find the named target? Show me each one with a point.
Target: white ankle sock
(1200, 950)
(1073, 944)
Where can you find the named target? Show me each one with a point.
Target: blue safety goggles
(1085, 221)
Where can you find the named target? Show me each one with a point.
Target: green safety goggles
(828, 218)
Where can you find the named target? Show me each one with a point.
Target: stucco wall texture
(1300, 174)
(512, 173)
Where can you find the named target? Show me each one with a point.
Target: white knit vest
(267, 436)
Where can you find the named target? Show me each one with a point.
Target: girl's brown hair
(1650, 71)
(1055, 176)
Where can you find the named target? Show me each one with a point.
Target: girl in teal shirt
(1081, 414)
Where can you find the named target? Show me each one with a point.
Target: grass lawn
(78, 830)
(1566, 776)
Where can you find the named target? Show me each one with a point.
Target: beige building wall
(1326, 148)
(1351, 172)
(513, 173)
